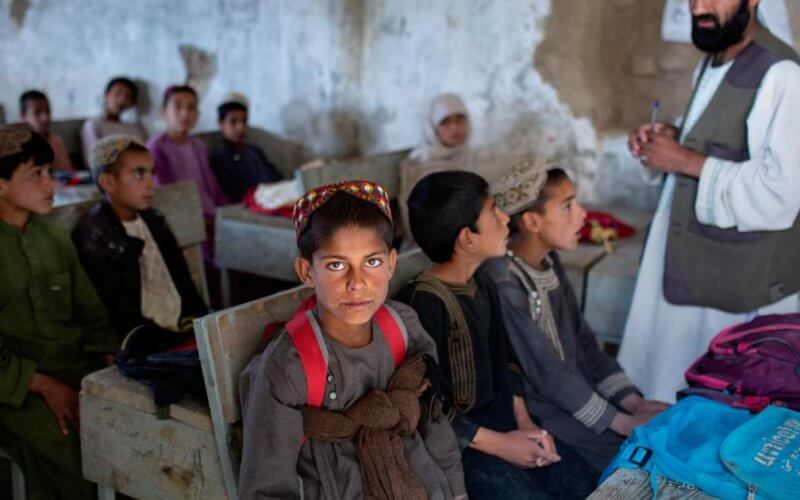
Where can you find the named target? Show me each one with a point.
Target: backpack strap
(394, 331)
(307, 338)
(459, 342)
(306, 335)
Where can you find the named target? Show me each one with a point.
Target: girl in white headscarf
(446, 131)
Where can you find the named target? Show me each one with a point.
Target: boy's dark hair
(36, 147)
(555, 176)
(124, 81)
(342, 210)
(175, 89)
(227, 107)
(440, 206)
(28, 96)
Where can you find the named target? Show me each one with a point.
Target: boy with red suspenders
(339, 403)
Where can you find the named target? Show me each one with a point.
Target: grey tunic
(571, 386)
(273, 391)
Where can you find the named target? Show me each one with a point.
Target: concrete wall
(557, 78)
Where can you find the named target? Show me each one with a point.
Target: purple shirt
(187, 161)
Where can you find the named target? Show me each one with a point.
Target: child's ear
(106, 181)
(392, 262)
(3, 187)
(531, 222)
(303, 269)
(464, 240)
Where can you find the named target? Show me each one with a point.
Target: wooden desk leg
(105, 493)
(225, 285)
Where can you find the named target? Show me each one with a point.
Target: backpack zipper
(751, 491)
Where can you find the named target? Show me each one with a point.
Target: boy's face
(30, 188)
(37, 115)
(492, 236)
(452, 131)
(181, 112)
(234, 126)
(560, 225)
(350, 274)
(132, 186)
(118, 98)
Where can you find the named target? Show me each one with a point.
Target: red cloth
(607, 221)
(249, 202)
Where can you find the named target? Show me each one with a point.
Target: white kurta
(661, 340)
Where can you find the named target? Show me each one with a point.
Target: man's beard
(719, 38)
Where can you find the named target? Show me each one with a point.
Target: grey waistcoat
(724, 268)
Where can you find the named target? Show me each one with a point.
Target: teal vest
(724, 268)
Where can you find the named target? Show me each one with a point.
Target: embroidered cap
(519, 189)
(235, 98)
(315, 198)
(107, 150)
(12, 137)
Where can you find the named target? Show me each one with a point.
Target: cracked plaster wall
(557, 78)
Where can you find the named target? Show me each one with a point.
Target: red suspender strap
(393, 331)
(315, 366)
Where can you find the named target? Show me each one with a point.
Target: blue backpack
(723, 451)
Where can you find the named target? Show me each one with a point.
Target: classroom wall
(562, 79)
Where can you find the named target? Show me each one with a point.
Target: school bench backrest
(286, 155)
(382, 168)
(70, 133)
(180, 204)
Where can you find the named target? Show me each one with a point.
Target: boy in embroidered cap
(458, 225)
(336, 406)
(53, 327)
(578, 392)
(124, 237)
(239, 165)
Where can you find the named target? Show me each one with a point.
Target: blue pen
(654, 114)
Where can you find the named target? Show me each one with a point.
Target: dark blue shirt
(239, 169)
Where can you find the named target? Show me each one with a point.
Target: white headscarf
(433, 151)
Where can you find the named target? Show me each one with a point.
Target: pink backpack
(751, 365)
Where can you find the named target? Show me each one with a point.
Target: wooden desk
(633, 484)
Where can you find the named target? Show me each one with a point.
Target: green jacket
(51, 319)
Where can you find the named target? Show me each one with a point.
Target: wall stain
(201, 66)
(17, 11)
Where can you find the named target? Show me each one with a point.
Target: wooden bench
(634, 484)
(124, 447)
(227, 341)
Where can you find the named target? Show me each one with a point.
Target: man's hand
(61, 399)
(642, 135)
(664, 154)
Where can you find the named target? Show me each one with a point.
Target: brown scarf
(378, 422)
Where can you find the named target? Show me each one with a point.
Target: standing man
(724, 244)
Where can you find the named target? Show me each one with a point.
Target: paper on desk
(277, 194)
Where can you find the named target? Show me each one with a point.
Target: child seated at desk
(34, 109)
(237, 164)
(125, 238)
(121, 95)
(53, 328)
(363, 423)
(577, 391)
